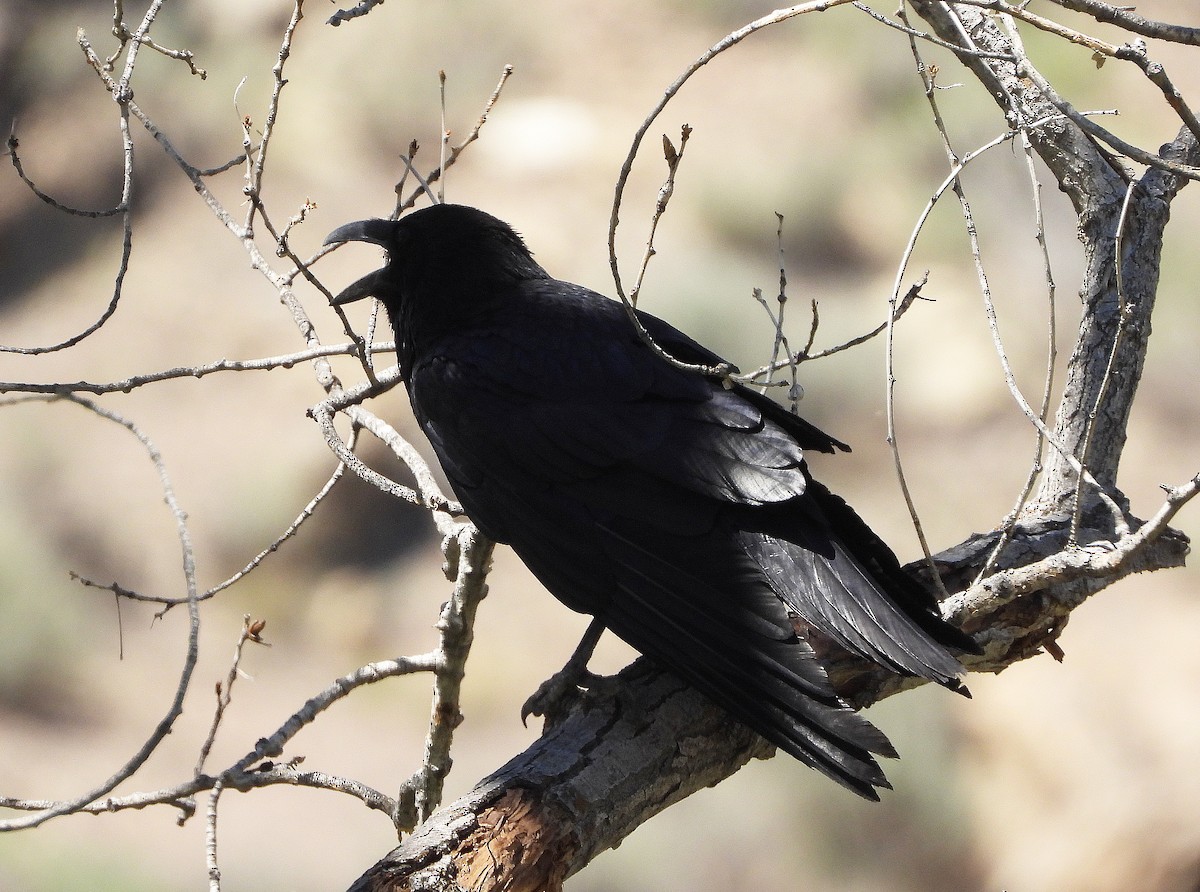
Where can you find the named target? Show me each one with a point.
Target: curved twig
(175, 709)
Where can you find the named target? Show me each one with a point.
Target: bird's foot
(558, 693)
(554, 698)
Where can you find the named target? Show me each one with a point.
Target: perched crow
(676, 510)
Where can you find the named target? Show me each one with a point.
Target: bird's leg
(549, 698)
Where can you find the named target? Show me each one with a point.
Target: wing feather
(681, 513)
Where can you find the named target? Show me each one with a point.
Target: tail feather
(772, 682)
(880, 562)
(828, 737)
(829, 590)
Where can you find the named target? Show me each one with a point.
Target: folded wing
(681, 513)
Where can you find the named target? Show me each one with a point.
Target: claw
(556, 694)
(553, 697)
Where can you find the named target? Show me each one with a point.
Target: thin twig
(121, 31)
(272, 746)
(795, 392)
(282, 249)
(124, 102)
(422, 182)
(444, 140)
(266, 774)
(194, 174)
(951, 181)
(1021, 402)
(723, 371)
(435, 175)
(12, 145)
(902, 306)
(780, 342)
(122, 92)
(413, 148)
(927, 78)
(228, 165)
(126, 385)
(254, 183)
(444, 509)
(429, 497)
(251, 631)
(730, 40)
(305, 513)
(175, 709)
(674, 158)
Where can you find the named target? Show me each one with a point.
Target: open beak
(367, 286)
(377, 232)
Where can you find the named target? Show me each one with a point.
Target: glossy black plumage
(676, 510)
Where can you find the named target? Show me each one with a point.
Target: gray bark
(1115, 326)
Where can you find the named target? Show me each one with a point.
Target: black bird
(675, 509)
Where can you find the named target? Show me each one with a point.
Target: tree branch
(1115, 327)
(550, 810)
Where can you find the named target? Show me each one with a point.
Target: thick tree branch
(643, 740)
(1106, 364)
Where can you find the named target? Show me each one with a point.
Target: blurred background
(1078, 775)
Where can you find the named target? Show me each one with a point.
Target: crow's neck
(472, 298)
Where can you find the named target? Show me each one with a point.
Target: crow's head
(441, 253)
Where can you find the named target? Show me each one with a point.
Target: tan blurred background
(1055, 777)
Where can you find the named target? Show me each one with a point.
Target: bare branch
(730, 40)
(1126, 18)
(171, 602)
(359, 9)
(175, 709)
(1102, 561)
(254, 185)
(444, 509)
(122, 97)
(430, 495)
(121, 31)
(305, 513)
(12, 145)
(210, 837)
(455, 151)
(673, 158)
(251, 631)
(468, 556)
(1035, 469)
(272, 746)
(125, 385)
(122, 91)
(533, 822)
